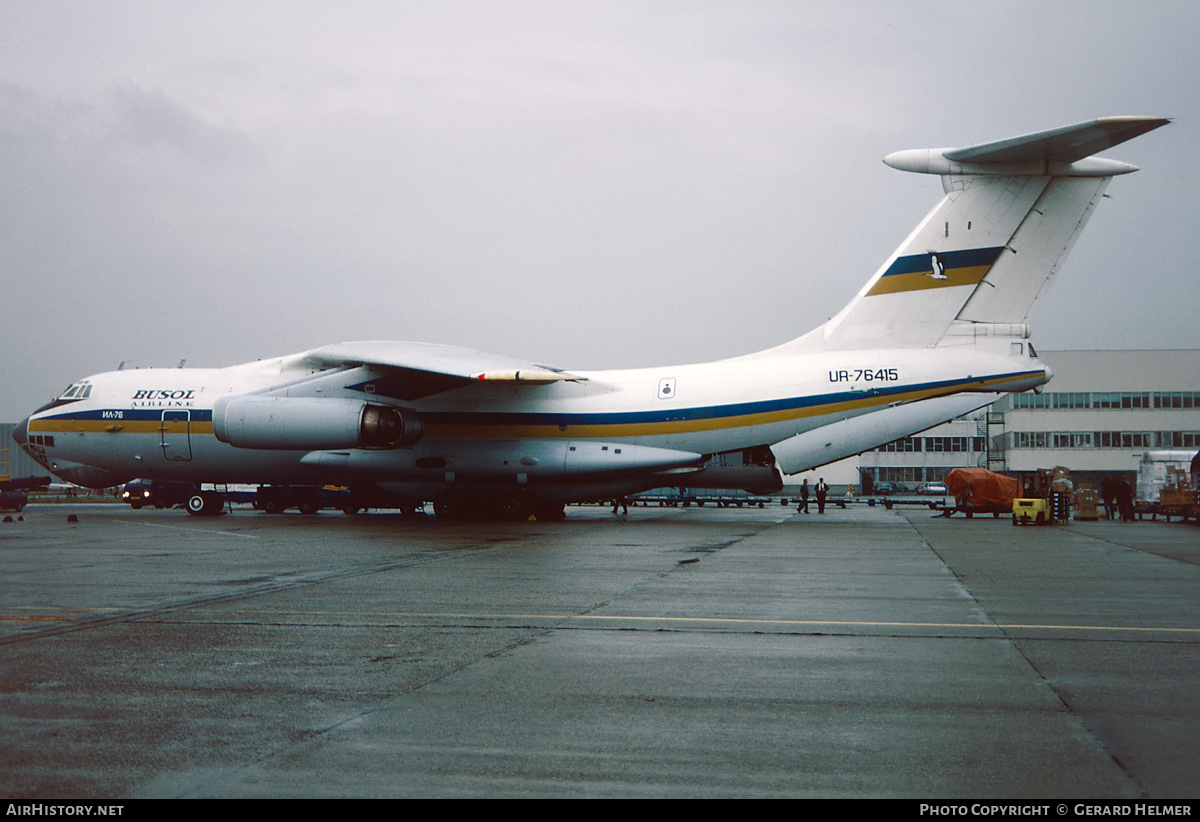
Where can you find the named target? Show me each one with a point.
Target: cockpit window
(77, 391)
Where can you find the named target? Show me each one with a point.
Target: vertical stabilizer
(1012, 211)
(1036, 251)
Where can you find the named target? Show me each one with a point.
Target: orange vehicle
(979, 491)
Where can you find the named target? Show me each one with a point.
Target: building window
(1028, 401)
(1176, 399)
(905, 445)
(1078, 400)
(1071, 400)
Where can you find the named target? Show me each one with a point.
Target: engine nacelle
(312, 423)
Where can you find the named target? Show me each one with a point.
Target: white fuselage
(158, 423)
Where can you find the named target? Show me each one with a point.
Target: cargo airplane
(939, 330)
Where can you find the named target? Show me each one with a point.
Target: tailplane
(1012, 211)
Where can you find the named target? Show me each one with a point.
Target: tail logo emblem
(939, 268)
(936, 269)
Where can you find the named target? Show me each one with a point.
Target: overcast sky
(587, 184)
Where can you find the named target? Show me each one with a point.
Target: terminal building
(1098, 415)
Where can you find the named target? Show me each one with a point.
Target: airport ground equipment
(1166, 485)
(980, 491)
(1030, 511)
(1047, 500)
(274, 499)
(12, 489)
(142, 493)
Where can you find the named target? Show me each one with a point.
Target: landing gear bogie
(457, 505)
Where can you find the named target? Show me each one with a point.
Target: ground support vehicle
(1048, 501)
(140, 493)
(699, 500)
(1031, 511)
(12, 491)
(211, 499)
(360, 498)
(13, 501)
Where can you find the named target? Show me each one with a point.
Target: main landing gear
(206, 503)
(456, 505)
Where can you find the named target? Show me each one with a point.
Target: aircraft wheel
(449, 506)
(513, 509)
(273, 506)
(205, 504)
(550, 511)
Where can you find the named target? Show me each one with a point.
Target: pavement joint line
(193, 530)
(738, 621)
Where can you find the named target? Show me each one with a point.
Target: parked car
(935, 488)
(140, 492)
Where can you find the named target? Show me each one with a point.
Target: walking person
(1108, 491)
(803, 506)
(822, 492)
(1125, 499)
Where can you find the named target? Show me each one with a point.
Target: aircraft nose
(20, 433)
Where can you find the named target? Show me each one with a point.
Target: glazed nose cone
(20, 433)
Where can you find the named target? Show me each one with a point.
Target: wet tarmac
(664, 653)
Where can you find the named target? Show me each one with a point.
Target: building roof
(1124, 370)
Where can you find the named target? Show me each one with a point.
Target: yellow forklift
(1047, 499)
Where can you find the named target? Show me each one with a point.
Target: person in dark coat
(822, 492)
(803, 506)
(1124, 495)
(1108, 492)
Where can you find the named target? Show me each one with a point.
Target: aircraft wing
(437, 367)
(1065, 145)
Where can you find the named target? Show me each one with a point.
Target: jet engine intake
(309, 423)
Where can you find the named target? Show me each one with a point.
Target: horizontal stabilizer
(1063, 145)
(1060, 152)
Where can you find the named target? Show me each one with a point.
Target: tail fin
(1011, 213)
